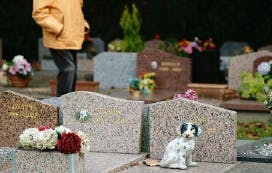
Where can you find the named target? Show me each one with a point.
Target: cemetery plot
(113, 125)
(217, 143)
(19, 112)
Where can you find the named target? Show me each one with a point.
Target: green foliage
(253, 130)
(131, 25)
(252, 86)
(134, 83)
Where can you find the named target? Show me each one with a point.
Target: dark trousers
(66, 62)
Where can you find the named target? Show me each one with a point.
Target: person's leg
(75, 63)
(67, 69)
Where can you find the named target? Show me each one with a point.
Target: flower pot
(54, 162)
(80, 86)
(16, 81)
(136, 93)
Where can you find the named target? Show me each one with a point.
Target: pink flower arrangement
(18, 67)
(188, 94)
(188, 47)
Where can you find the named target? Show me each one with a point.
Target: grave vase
(136, 93)
(54, 162)
(16, 81)
(148, 91)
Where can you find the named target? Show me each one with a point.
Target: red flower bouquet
(69, 143)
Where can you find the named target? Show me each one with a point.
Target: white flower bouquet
(60, 138)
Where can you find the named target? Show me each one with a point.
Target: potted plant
(43, 145)
(148, 84)
(134, 87)
(131, 25)
(19, 71)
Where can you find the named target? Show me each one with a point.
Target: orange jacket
(62, 23)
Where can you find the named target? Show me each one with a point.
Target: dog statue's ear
(198, 130)
(182, 128)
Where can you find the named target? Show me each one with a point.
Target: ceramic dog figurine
(178, 153)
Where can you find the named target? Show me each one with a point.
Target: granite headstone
(98, 44)
(228, 50)
(19, 112)
(113, 69)
(173, 72)
(268, 48)
(156, 44)
(55, 101)
(217, 143)
(243, 63)
(113, 125)
(232, 48)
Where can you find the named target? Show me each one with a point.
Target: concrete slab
(202, 167)
(105, 162)
(244, 142)
(251, 167)
(111, 162)
(259, 151)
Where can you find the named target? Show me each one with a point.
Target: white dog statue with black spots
(178, 153)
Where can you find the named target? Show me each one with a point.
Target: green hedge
(241, 20)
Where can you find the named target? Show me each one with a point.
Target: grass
(253, 130)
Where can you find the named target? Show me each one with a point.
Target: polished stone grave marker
(260, 151)
(217, 143)
(113, 125)
(19, 112)
(173, 72)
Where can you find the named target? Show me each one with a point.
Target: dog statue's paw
(192, 164)
(182, 167)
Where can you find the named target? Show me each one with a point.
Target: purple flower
(264, 68)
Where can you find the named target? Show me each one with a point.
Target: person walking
(64, 29)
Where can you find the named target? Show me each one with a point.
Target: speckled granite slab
(54, 162)
(173, 72)
(217, 143)
(243, 63)
(113, 69)
(18, 112)
(203, 167)
(113, 125)
(5, 158)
